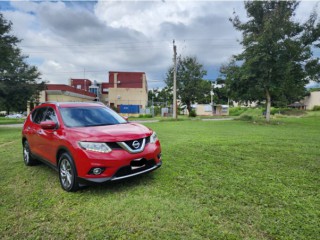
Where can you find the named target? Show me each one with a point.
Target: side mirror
(48, 125)
(126, 118)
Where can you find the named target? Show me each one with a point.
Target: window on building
(207, 108)
(93, 90)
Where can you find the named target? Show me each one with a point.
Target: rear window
(89, 116)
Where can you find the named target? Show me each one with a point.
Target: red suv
(88, 142)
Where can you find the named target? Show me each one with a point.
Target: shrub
(293, 112)
(114, 109)
(237, 111)
(246, 118)
(145, 116)
(274, 111)
(316, 108)
(192, 113)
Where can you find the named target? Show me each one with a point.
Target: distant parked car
(88, 142)
(18, 115)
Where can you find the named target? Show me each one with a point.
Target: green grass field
(219, 180)
(4, 121)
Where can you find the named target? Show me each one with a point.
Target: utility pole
(174, 81)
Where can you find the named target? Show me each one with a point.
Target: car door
(49, 138)
(33, 130)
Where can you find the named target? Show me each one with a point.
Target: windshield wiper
(100, 124)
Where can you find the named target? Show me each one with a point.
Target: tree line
(19, 82)
(274, 67)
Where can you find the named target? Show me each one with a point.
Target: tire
(67, 173)
(27, 156)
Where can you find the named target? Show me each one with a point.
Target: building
(62, 93)
(125, 91)
(83, 84)
(312, 100)
(206, 110)
(65, 93)
(123, 88)
(127, 88)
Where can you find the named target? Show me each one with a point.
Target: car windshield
(89, 116)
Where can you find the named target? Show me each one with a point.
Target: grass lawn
(219, 180)
(4, 120)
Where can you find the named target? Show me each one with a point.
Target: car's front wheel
(68, 173)
(27, 156)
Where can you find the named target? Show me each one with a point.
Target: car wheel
(68, 173)
(27, 156)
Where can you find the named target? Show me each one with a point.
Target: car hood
(111, 133)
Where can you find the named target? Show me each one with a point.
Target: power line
(130, 46)
(147, 43)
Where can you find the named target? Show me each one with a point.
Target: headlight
(95, 146)
(153, 137)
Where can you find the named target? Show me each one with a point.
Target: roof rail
(101, 103)
(58, 103)
(53, 102)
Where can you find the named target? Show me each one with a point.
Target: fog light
(97, 171)
(159, 156)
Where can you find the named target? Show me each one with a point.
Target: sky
(87, 39)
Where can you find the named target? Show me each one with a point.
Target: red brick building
(123, 88)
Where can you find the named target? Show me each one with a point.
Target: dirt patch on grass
(7, 143)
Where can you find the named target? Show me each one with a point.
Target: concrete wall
(206, 110)
(203, 109)
(312, 100)
(63, 97)
(128, 96)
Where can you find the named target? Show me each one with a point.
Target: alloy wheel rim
(66, 173)
(26, 154)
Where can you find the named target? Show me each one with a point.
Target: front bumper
(115, 161)
(123, 173)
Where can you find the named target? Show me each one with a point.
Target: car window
(38, 114)
(50, 115)
(89, 116)
(33, 114)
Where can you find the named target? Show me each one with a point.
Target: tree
(277, 62)
(190, 84)
(18, 80)
(220, 92)
(161, 97)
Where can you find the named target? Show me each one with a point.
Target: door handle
(39, 132)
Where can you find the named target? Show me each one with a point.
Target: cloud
(88, 39)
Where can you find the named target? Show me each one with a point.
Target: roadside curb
(217, 119)
(19, 125)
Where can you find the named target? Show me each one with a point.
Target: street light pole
(174, 81)
(212, 93)
(152, 107)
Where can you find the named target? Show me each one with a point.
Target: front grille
(129, 143)
(127, 170)
(113, 145)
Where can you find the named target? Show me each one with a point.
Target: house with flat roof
(312, 100)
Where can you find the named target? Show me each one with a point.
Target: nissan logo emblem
(136, 144)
